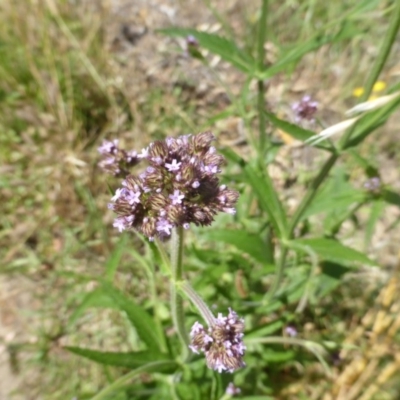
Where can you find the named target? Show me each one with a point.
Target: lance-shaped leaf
(219, 45)
(128, 360)
(120, 383)
(329, 249)
(243, 241)
(144, 324)
(294, 130)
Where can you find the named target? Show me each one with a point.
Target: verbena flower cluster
(305, 109)
(178, 187)
(222, 343)
(117, 161)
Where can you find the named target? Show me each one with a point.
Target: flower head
(305, 109)
(222, 343)
(178, 187)
(115, 160)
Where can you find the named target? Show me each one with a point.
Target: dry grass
(71, 76)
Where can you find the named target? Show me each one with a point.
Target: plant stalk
(307, 199)
(176, 299)
(262, 33)
(198, 302)
(384, 52)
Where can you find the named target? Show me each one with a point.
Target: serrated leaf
(225, 48)
(128, 360)
(138, 317)
(329, 249)
(246, 242)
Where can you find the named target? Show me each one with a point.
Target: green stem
(125, 379)
(311, 192)
(178, 316)
(384, 52)
(198, 302)
(307, 199)
(380, 61)
(262, 32)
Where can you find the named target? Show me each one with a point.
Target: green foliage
(280, 262)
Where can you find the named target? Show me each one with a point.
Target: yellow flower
(379, 86)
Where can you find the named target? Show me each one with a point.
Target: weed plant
(215, 273)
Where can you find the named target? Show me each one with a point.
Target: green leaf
(246, 242)
(336, 195)
(299, 49)
(263, 397)
(155, 366)
(272, 356)
(96, 298)
(139, 318)
(391, 197)
(265, 192)
(332, 250)
(369, 122)
(330, 277)
(294, 130)
(128, 360)
(115, 258)
(265, 330)
(225, 48)
(377, 209)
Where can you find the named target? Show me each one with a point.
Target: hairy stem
(176, 299)
(198, 302)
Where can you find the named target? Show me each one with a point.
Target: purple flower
(108, 147)
(115, 160)
(164, 226)
(176, 197)
(222, 343)
(305, 109)
(291, 331)
(179, 186)
(144, 153)
(174, 166)
(132, 197)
